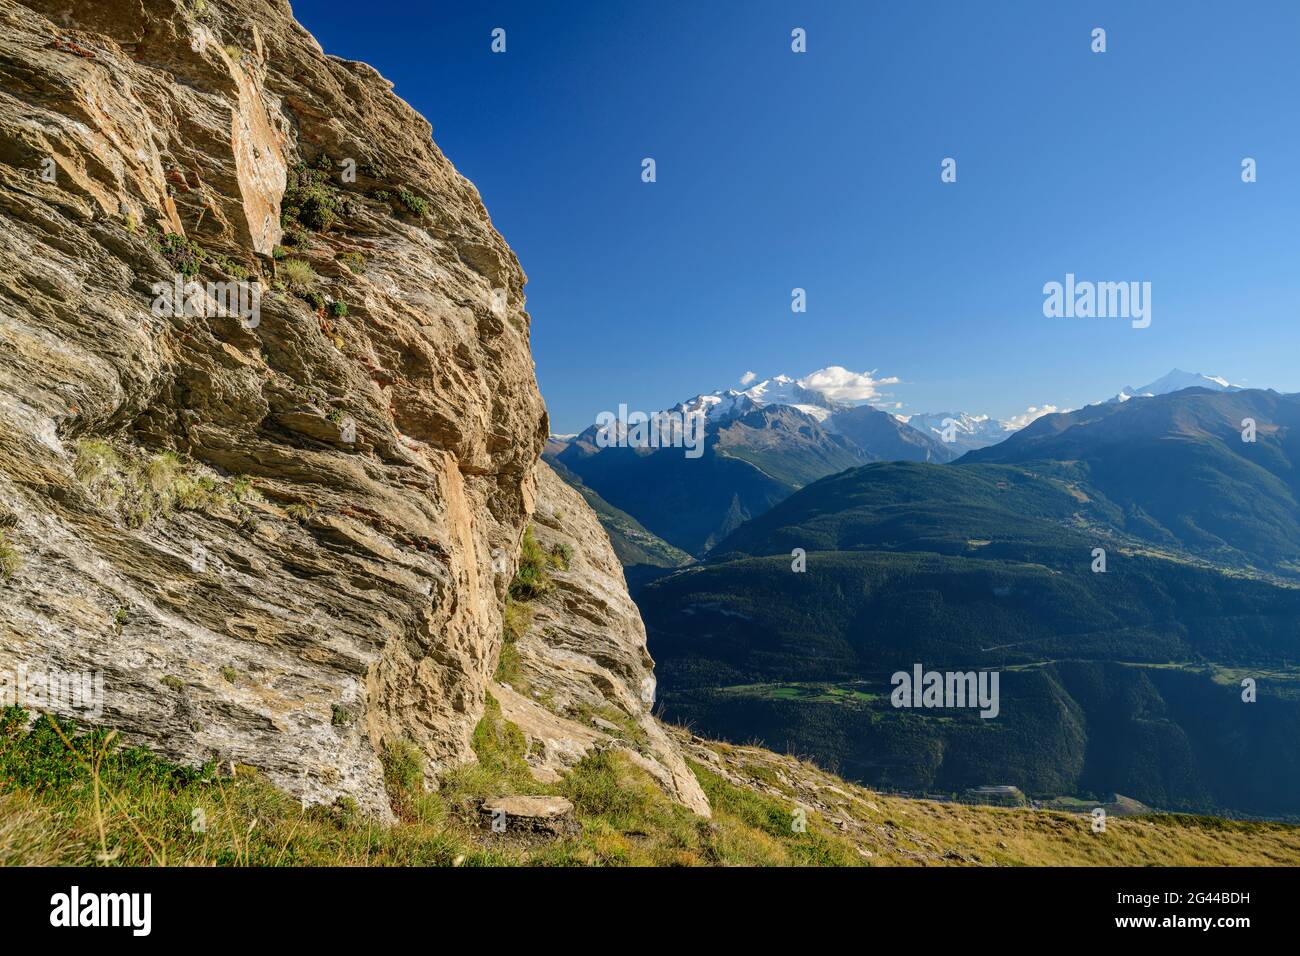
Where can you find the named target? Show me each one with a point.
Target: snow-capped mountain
(1176, 381)
(841, 410)
(981, 431)
(840, 403)
(726, 404)
(969, 431)
(749, 448)
(784, 390)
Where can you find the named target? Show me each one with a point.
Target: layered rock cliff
(581, 678)
(283, 536)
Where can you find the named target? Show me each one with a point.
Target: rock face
(282, 537)
(549, 815)
(585, 679)
(345, 593)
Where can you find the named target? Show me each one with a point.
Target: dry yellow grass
(897, 831)
(76, 800)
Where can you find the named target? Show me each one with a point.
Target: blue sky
(821, 171)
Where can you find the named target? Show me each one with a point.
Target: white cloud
(839, 384)
(1017, 422)
(747, 378)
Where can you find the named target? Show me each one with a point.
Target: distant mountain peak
(784, 390)
(1175, 381)
(818, 394)
(969, 431)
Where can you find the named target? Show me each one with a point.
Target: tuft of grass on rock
(516, 616)
(94, 458)
(561, 556)
(241, 489)
(10, 562)
(297, 275)
(142, 488)
(300, 511)
(531, 580)
(311, 199)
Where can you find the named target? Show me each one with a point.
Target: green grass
(297, 274)
(182, 255)
(353, 260)
(231, 268)
(628, 728)
(300, 511)
(69, 798)
(531, 578)
(141, 488)
(516, 616)
(808, 693)
(561, 556)
(415, 205)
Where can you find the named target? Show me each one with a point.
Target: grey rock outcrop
(283, 542)
(345, 594)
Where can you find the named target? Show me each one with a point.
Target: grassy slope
(78, 800)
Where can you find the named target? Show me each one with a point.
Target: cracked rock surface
(342, 593)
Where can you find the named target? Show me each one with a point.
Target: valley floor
(68, 799)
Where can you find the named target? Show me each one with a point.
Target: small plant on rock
(311, 199)
(301, 511)
(9, 560)
(297, 274)
(415, 205)
(183, 255)
(561, 555)
(531, 580)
